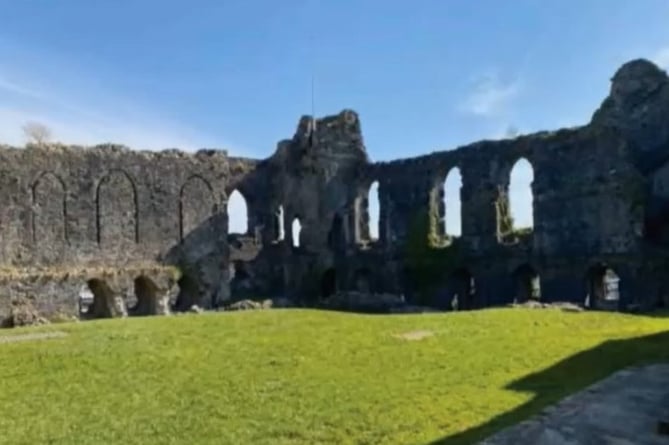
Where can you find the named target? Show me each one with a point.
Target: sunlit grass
(301, 377)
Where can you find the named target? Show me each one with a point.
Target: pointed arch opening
(521, 198)
(147, 295)
(49, 210)
(373, 211)
(117, 210)
(296, 231)
(452, 218)
(238, 214)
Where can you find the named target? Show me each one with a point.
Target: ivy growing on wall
(427, 261)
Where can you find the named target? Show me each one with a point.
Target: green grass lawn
(308, 377)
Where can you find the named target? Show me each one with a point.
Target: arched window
(373, 210)
(452, 206)
(520, 194)
(296, 229)
(238, 221)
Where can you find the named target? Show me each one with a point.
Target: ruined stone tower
(140, 228)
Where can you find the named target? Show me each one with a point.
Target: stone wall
(598, 203)
(108, 208)
(592, 193)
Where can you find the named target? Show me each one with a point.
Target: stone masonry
(146, 232)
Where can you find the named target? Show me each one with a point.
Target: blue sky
(423, 74)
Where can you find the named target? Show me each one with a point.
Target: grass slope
(308, 377)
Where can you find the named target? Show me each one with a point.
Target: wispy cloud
(490, 96)
(80, 111)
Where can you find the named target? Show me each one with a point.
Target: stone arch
(329, 282)
(520, 195)
(49, 209)
(296, 231)
(197, 203)
(603, 287)
(238, 213)
(147, 294)
(527, 284)
(452, 205)
(106, 302)
(117, 219)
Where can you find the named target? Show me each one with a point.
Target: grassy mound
(308, 377)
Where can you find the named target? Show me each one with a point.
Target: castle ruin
(146, 231)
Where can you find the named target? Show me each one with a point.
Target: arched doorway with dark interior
(104, 304)
(329, 283)
(527, 285)
(464, 290)
(603, 288)
(146, 293)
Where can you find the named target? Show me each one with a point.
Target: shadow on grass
(568, 376)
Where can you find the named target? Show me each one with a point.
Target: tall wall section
(116, 220)
(592, 190)
(70, 215)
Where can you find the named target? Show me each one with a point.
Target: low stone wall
(114, 292)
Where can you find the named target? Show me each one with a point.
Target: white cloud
(661, 58)
(490, 96)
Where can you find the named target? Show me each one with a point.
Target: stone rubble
(23, 313)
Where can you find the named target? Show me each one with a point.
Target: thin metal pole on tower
(313, 88)
(312, 57)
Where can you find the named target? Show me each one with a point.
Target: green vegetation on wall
(504, 218)
(428, 261)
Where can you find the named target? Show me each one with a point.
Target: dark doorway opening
(526, 284)
(146, 293)
(603, 288)
(362, 280)
(329, 283)
(465, 290)
(336, 239)
(189, 293)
